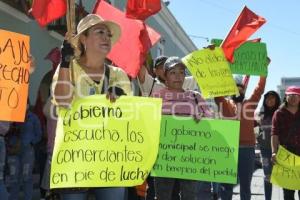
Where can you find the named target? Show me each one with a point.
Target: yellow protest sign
(212, 72)
(14, 75)
(286, 171)
(287, 159)
(102, 144)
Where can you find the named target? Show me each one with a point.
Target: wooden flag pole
(70, 16)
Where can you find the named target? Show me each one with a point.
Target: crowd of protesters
(83, 70)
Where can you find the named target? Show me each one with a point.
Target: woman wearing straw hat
(88, 74)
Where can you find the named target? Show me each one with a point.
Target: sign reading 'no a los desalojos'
(212, 72)
(206, 151)
(250, 59)
(103, 144)
(14, 75)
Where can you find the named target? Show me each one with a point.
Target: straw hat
(93, 19)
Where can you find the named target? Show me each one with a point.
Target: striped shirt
(187, 103)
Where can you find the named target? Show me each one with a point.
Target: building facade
(286, 82)
(174, 41)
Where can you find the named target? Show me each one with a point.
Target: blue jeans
(245, 171)
(204, 192)
(20, 169)
(115, 193)
(3, 191)
(266, 155)
(110, 193)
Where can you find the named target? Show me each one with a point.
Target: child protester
(177, 101)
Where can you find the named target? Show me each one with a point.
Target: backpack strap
(152, 88)
(196, 101)
(106, 79)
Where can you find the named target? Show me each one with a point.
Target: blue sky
(281, 32)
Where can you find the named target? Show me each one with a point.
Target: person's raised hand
(211, 47)
(114, 93)
(67, 52)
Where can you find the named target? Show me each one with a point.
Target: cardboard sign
(14, 75)
(103, 144)
(206, 151)
(212, 73)
(250, 59)
(286, 171)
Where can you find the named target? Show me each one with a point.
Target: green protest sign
(206, 151)
(250, 59)
(212, 72)
(216, 42)
(104, 144)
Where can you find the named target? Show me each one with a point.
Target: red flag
(142, 9)
(130, 52)
(46, 11)
(246, 24)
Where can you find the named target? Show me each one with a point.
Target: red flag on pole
(130, 52)
(142, 9)
(46, 11)
(246, 24)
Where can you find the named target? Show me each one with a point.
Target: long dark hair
(267, 111)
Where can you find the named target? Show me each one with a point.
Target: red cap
(293, 90)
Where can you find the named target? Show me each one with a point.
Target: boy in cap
(149, 84)
(177, 101)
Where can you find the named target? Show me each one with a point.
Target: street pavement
(257, 189)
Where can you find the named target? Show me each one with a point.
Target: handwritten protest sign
(250, 59)
(286, 171)
(101, 144)
(206, 151)
(211, 70)
(14, 75)
(287, 159)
